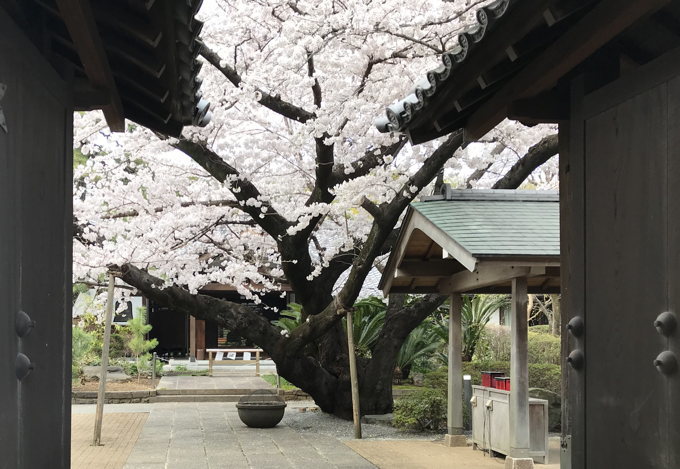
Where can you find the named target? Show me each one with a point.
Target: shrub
(495, 344)
(544, 348)
(81, 347)
(420, 344)
(543, 375)
(541, 329)
(421, 410)
(139, 345)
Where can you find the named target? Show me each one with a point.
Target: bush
(544, 348)
(495, 344)
(543, 375)
(422, 410)
(541, 329)
(81, 347)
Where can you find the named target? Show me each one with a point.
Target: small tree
(138, 344)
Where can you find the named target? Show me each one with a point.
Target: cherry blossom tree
(291, 182)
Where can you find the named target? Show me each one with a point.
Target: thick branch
(535, 157)
(379, 234)
(274, 103)
(244, 190)
(205, 203)
(362, 166)
(479, 173)
(237, 317)
(371, 208)
(316, 88)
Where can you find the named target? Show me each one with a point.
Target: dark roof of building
(492, 58)
(497, 222)
(148, 47)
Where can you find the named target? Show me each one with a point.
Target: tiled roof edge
(510, 195)
(400, 113)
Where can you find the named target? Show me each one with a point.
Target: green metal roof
(497, 222)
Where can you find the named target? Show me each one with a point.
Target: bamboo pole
(353, 377)
(101, 395)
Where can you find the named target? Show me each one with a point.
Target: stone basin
(261, 409)
(261, 414)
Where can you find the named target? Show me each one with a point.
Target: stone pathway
(210, 435)
(119, 434)
(212, 382)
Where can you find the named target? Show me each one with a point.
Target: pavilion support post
(454, 416)
(519, 374)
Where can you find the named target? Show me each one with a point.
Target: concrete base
(455, 440)
(519, 463)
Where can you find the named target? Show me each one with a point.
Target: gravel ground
(313, 420)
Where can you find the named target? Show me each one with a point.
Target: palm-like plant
(476, 312)
(290, 318)
(369, 317)
(422, 341)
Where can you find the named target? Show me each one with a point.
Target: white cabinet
(491, 423)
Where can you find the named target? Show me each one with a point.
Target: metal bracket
(3, 121)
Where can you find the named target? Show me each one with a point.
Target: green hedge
(543, 348)
(541, 375)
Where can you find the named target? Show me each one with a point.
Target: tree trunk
(556, 316)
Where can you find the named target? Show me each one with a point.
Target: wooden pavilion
(481, 241)
(608, 72)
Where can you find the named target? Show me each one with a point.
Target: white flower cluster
(137, 200)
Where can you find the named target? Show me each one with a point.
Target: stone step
(203, 392)
(196, 398)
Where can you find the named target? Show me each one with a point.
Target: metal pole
(101, 395)
(353, 377)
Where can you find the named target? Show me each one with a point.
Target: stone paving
(210, 435)
(212, 382)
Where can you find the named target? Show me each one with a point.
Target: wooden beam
(595, 29)
(428, 268)
(483, 276)
(545, 107)
(79, 20)
(86, 98)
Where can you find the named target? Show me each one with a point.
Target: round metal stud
(576, 359)
(22, 366)
(666, 362)
(23, 324)
(576, 326)
(666, 323)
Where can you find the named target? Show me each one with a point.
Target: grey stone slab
(210, 435)
(144, 466)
